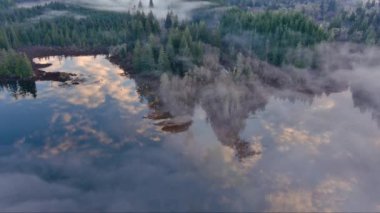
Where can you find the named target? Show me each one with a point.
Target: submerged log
(157, 115)
(53, 76)
(176, 125)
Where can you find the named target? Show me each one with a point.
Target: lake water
(90, 146)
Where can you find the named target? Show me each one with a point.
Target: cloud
(111, 163)
(102, 79)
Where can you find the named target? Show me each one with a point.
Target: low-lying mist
(229, 97)
(182, 8)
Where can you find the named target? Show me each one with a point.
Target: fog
(251, 145)
(182, 8)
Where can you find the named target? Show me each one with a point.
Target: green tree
(3, 40)
(147, 59)
(137, 57)
(184, 49)
(151, 4)
(168, 21)
(371, 36)
(14, 65)
(197, 52)
(163, 61)
(170, 51)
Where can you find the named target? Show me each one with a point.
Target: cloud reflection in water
(97, 153)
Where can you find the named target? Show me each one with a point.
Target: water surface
(90, 146)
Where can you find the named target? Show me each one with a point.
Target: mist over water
(230, 142)
(278, 139)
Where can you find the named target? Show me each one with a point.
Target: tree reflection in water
(19, 89)
(204, 152)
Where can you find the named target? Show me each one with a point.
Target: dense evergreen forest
(13, 65)
(276, 31)
(361, 25)
(272, 34)
(6, 4)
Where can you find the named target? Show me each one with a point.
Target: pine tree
(187, 35)
(13, 64)
(163, 61)
(197, 52)
(3, 41)
(13, 37)
(170, 49)
(168, 21)
(371, 36)
(23, 67)
(147, 59)
(140, 5)
(332, 6)
(154, 43)
(184, 49)
(151, 4)
(136, 58)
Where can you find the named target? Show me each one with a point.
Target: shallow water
(88, 146)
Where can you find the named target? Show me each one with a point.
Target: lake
(110, 141)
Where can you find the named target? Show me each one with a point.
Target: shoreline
(43, 51)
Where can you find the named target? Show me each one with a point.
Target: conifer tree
(140, 5)
(136, 58)
(163, 61)
(3, 40)
(168, 21)
(184, 49)
(151, 4)
(147, 59)
(170, 49)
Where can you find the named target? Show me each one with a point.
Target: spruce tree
(151, 4)
(3, 40)
(168, 21)
(184, 49)
(147, 59)
(163, 61)
(140, 5)
(197, 52)
(170, 49)
(136, 57)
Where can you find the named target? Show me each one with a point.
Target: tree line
(178, 47)
(6, 4)
(14, 65)
(361, 25)
(143, 43)
(270, 35)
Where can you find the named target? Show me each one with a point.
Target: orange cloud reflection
(101, 79)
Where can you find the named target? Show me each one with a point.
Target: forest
(272, 31)
(13, 65)
(6, 4)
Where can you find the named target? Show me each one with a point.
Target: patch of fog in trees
(231, 94)
(51, 14)
(160, 7)
(30, 4)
